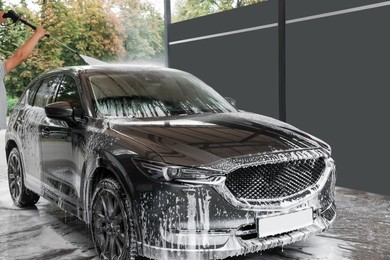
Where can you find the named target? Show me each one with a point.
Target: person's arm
(25, 50)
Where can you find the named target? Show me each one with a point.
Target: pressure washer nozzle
(12, 15)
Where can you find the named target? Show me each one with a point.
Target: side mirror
(231, 101)
(61, 110)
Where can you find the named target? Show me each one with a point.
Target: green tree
(12, 37)
(144, 30)
(86, 26)
(188, 9)
(223, 5)
(110, 30)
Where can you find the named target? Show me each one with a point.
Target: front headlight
(177, 172)
(165, 172)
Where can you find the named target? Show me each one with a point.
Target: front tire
(112, 224)
(21, 196)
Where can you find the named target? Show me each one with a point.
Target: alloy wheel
(15, 176)
(20, 194)
(110, 225)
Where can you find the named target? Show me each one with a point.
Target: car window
(46, 91)
(67, 91)
(144, 94)
(31, 92)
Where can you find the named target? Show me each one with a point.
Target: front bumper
(189, 221)
(222, 245)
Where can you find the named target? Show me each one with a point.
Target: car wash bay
(337, 63)
(46, 232)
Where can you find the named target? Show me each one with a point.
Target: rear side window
(46, 91)
(30, 93)
(67, 91)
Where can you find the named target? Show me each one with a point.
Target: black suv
(160, 165)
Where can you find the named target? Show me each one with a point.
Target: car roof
(109, 68)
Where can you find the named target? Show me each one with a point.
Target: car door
(62, 148)
(28, 123)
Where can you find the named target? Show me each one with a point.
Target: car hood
(206, 138)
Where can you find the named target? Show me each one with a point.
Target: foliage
(110, 30)
(12, 36)
(188, 9)
(83, 26)
(144, 33)
(11, 102)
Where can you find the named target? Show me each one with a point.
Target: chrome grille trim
(282, 203)
(272, 181)
(231, 164)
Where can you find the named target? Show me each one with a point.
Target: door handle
(45, 132)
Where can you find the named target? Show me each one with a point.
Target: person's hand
(40, 32)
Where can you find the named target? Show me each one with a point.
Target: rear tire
(112, 224)
(21, 196)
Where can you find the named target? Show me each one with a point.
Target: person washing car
(17, 58)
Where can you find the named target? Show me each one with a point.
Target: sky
(159, 4)
(29, 3)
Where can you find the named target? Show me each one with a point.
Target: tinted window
(46, 91)
(67, 91)
(31, 92)
(159, 93)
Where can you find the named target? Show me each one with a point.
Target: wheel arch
(107, 166)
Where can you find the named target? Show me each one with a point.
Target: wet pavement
(361, 230)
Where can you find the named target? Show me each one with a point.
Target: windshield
(153, 93)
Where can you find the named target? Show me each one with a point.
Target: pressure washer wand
(16, 18)
(64, 45)
(51, 37)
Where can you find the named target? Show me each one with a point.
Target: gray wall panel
(338, 87)
(231, 67)
(229, 64)
(338, 80)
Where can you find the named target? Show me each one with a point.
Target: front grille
(272, 181)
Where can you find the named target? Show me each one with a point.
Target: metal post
(167, 22)
(282, 59)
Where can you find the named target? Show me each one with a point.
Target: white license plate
(270, 226)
